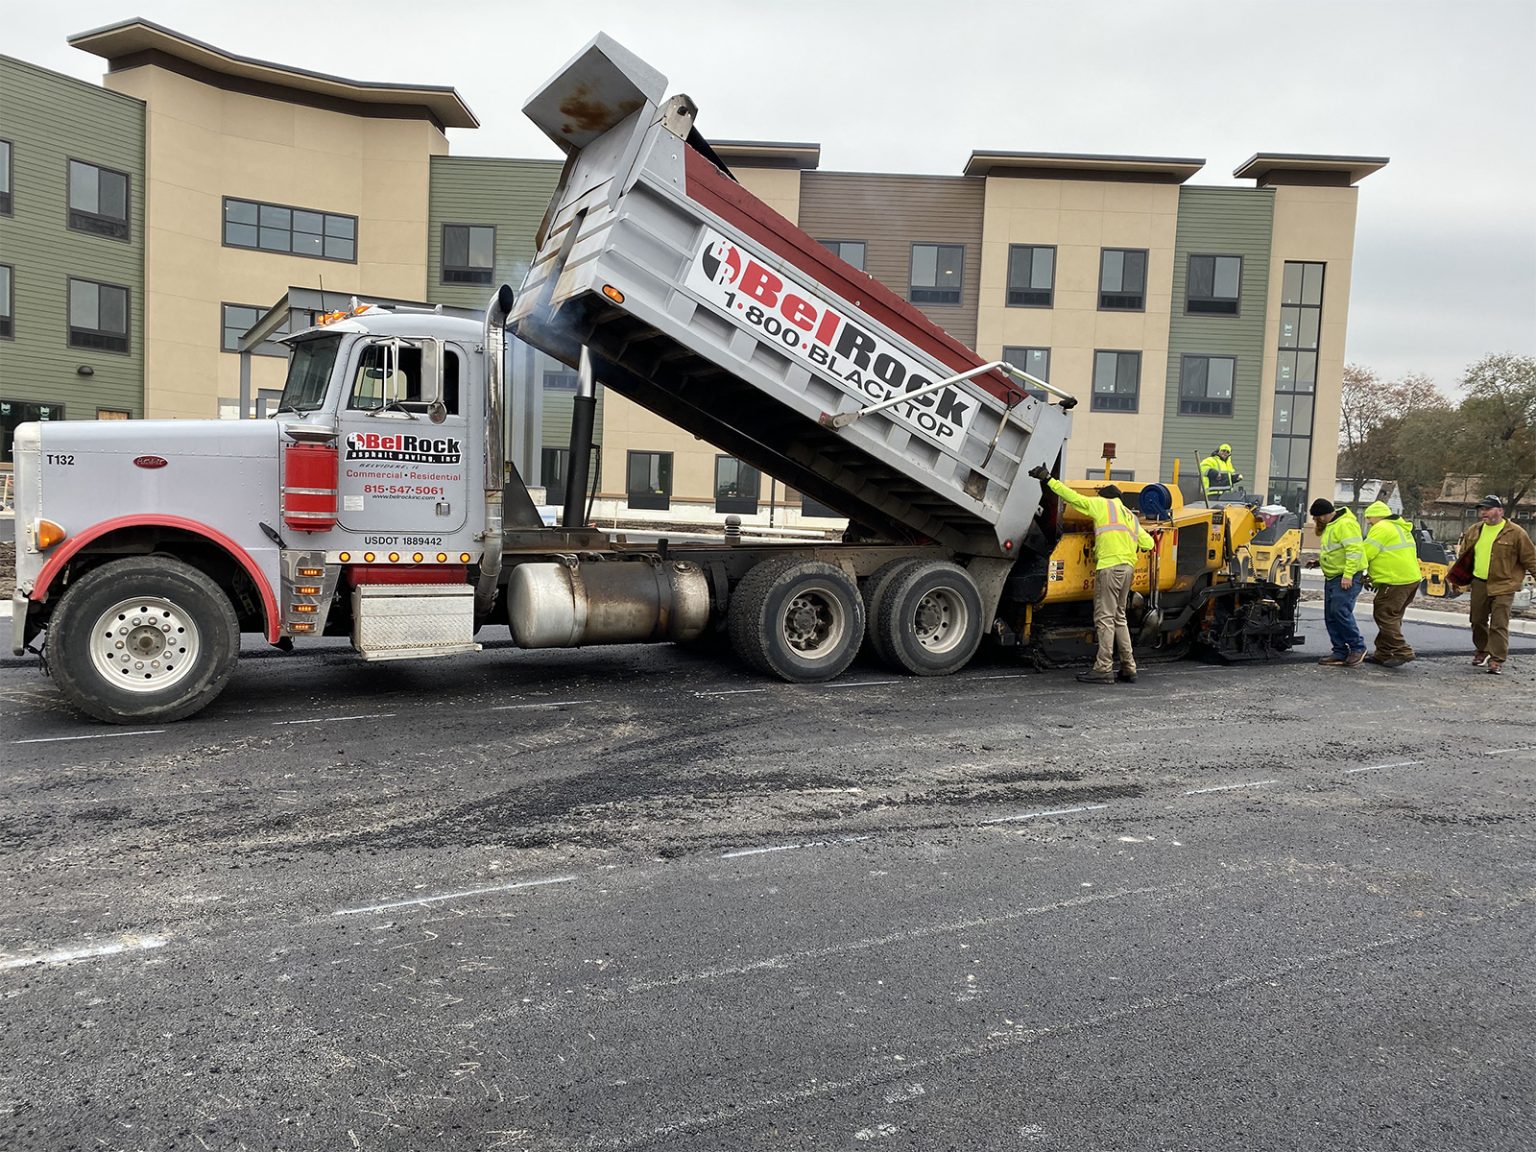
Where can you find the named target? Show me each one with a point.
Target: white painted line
(1009, 676)
(793, 847)
(543, 704)
(335, 719)
(1053, 812)
(69, 955)
(424, 900)
(97, 736)
(1507, 751)
(1230, 787)
(1379, 767)
(859, 683)
(732, 692)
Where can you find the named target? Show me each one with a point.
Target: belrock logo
(404, 449)
(800, 324)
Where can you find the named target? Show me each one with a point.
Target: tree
(1373, 416)
(1497, 437)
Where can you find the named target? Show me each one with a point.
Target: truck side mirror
(432, 357)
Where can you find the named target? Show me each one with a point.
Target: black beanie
(1110, 492)
(1321, 507)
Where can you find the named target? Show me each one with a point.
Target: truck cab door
(405, 440)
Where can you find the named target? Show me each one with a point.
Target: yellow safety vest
(1342, 551)
(1116, 533)
(1226, 471)
(1391, 553)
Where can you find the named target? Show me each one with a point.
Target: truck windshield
(309, 371)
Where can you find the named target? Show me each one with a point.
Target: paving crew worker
(1217, 474)
(1117, 535)
(1392, 566)
(1342, 559)
(1502, 554)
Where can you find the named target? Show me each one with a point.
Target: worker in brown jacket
(1502, 554)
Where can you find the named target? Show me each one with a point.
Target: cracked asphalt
(632, 898)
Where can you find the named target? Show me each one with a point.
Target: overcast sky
(1445, 253)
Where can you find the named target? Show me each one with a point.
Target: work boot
(1126, 676)
(1480, 660)
(1372, 658)
(1496, 667)
(1331, 662)
(1354, 659)
(1092, 677)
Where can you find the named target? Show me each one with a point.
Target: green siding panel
(49, 120)
(1220, 222)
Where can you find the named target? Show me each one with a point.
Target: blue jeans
(1339, 616)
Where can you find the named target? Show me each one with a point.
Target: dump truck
(378, 502)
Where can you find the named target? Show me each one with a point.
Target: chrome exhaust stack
(496, 314)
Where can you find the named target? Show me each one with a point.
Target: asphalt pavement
(633, 898)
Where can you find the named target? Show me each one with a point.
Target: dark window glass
(1116, 381)
(1031, 275)
(469, 254)
(1035, 361)
(648, 480)
(554, 467)
(7, 302)
(98, 200)
(737, 486)
(5, 177)
(1293, 414)
(1122, 279)
(295, 231)
(936, 273)
(309, 372)
(98, 316)
(237, 321)
(849, 251)
(1205, 385)
(14, 412)
(561, 380)
(1213, 284)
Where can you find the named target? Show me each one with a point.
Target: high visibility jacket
(1224, 470)
(1391, 552)
(1116, 533)
(1343, 549)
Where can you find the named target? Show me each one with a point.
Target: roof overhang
(1305, 168)
(135, 42)
(768, 154)
(1158, 169)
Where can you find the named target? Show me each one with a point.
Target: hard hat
(1225, 448)
(1377, 510)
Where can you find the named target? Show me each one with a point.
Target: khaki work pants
(1490, 620)
(1387, 608)
(1111, 593)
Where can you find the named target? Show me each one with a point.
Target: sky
(1445, 249)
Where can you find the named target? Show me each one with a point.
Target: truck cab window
(309, 371)
(390, 374)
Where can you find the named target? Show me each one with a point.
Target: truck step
(413, 621)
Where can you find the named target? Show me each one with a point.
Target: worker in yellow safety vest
(1392, 567)
(1117, 536)
(1341, 556)
(1217, 472)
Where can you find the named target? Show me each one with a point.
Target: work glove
(1040, 472)
(1237, 477)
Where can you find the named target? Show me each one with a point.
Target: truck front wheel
(142, 640)
(799, 620)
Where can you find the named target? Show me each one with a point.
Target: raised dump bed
(704, 305)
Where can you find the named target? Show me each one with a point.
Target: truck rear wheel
(930, 619)
(143, 640)
(800, 620)
(874, 589)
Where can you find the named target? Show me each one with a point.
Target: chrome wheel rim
(145, 644)
(815, 622)
(940, 620)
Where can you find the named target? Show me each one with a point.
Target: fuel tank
(560, 605)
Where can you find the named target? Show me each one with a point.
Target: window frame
(443, 268)
(562, 375)
(116, 229)
(325, 235)
(739, 504)
(1206, 405)
(8, 169)
(8, 302)
(1141, 296)
(1037, 393)
(835, 247)
(1237, 301)
(1135, 398)
(913, 288)
(1008, 288)
(266, 347)
(69, 324)
(649, 501)
(7, 436)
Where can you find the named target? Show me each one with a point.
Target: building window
(1116, 381)
(113, 414)
(98, 200)
(554, 467)
(848, 251)
(7, 302)
(1213, 285)
(561, 380)
(14, 412)
(1035, 361)
(936, 273)
(1114, 474)
(1290, 445)
(737, 486)
(5, 177)
(1031, 275)
(1123, 280)
(238, 319)
(469, 253)
(98, 316)
(648, 480)
(1205, 385)
(292, 231)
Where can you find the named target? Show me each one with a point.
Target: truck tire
(874, 589)
(799, 620)
(930, 619)
(146, 639)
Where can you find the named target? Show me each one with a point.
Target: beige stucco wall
(1080, 217)
(1312, 224)
(779, 188)
(204, 143)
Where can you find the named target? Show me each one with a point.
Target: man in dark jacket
(1502, 554)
